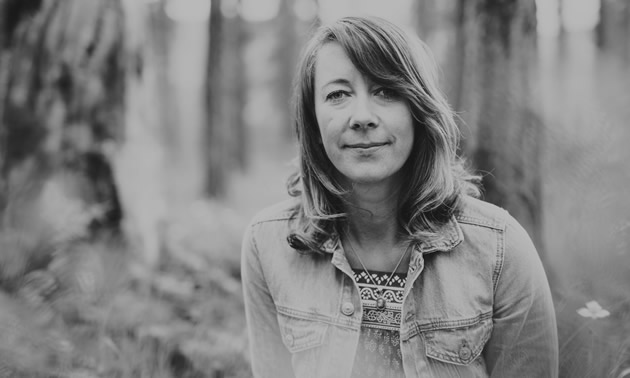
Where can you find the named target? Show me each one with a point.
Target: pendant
(380, 303)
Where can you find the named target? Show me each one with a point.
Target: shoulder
(499, 239)
(478, 213)
(491, 222)
(515, 247)
(270, 227)
(265, 248)
(281, 212)
(474, 212)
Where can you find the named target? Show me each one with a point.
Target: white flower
(593, 310)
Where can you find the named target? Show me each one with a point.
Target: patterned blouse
(378, 354)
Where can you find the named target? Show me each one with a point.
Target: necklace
(381, 302)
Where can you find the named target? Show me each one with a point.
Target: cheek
(330, 148)
(406, 135)
(329, 135)
(321, 127)
(326, 143)
(404, 149)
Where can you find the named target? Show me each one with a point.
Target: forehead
(331, 63)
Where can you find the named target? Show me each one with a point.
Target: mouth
(366, 146)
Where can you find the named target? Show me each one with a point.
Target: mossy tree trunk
(63, 97)
(64, 94)
(503, 133)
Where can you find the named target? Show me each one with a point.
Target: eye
(336, 96)
(387, 94)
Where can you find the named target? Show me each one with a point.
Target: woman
(384, 264)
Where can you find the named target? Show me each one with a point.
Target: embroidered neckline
(380, 278)
(388, 318)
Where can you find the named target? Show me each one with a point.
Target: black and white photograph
(314, 188)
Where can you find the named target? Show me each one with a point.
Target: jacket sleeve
(524, 341)
(269, 357)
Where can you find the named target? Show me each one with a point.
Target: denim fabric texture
(477, 302)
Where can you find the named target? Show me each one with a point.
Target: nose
(362, 116)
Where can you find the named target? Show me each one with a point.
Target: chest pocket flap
(460, 345)
(299, 333)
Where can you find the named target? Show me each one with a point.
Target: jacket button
(347, 309)
(288, 338)
(465, 352)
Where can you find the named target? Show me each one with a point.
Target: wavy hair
(435, 179)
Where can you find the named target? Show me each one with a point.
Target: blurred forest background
(138, 137)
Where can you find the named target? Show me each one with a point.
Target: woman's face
(367, 130)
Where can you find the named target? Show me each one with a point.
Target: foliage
(73, 306)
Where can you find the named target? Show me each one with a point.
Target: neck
(373, 215)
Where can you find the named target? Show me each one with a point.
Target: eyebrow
(337, 81)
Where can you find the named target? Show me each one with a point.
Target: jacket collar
(445, 238)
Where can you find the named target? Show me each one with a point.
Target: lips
(366, 145)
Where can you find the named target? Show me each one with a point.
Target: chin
(368, 178)
(372, 177)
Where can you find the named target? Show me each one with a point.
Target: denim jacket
(476, 304)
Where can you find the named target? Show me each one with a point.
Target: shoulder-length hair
(435, 179)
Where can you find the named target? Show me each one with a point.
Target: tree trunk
(425, 18)
(233, 87)
(503, 132)
(140, 160)
(161, 30)
(215, 131)
(437, 24)
(227, 136)
(287, 53)
(613, 29)
(63, 98)
(3, 84)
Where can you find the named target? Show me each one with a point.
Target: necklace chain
(368, 273)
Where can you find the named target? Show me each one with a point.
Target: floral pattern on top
(378, 354)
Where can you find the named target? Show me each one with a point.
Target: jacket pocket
(458, 345)
(299, 333)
